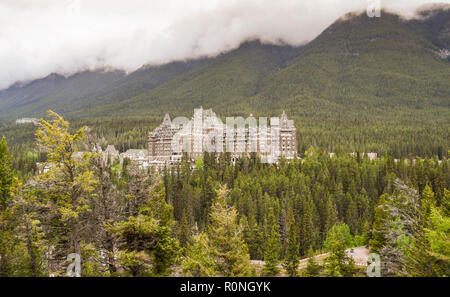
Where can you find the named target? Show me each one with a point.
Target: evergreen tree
(312, 267)
(67, 186)
(6, 176)
(146, 245)
(223, 247)
(428, 201)
(7, 230)
(307, 230)
(338, 263)
(351, 216)
(379, 228)
(184, 230)
(291, 261)
(272, 251)
(199, 260)
(331, 215)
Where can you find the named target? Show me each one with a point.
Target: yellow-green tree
(291, 261)
(67, 187)
(7, 226)
(272, 252)
(224, 252)
(147, 247)
(338, 263)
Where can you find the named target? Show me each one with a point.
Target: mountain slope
(369, 84)
(54, 91)
(356, 64)
(361, 62)
(138, 82)
(222, 81)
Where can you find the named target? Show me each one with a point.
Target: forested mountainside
(367, 84)
(355, 64)
(54, 91)
(213, 219)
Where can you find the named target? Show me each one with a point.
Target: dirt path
(359, 255)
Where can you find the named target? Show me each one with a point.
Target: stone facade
(205, 132)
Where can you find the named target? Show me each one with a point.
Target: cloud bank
(39, 37)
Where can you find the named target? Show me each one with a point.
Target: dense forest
(364, 84)
(215, 219)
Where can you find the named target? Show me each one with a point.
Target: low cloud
(38, 37)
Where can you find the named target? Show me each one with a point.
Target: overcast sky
(38, 37)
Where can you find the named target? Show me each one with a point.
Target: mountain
(361, 62)
(434, 23)
(375, 84)
(355, 64)
(138, 82)
(54, 91)
(221, 81)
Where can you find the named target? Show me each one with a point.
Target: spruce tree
(226, 238)
(7, 229)
(312, 267)
(6, 175)
(224, 252)
(379, 227)
(272, 252)
(67, 186)
(291, 261)
(184, 230)
(428, 201)
(337, 262)
(146, 245)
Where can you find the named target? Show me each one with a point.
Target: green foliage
(438, 235)
(130, 222)
(199, 260)
(291, 261)
(428, 201)
(6, 175)
(147, 247)
(272, 252)
(338, 263)
(312, 267)
(380, 227)
(224, 251)
(67, 186)
(416, 235)
(341, 233)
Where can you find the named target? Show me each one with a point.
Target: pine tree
(146, 245)
(331, 215)
(31, 232)
(351, 215)
(199, 260)
(312, 267)
(184, 230)
(6, 175)
(226, 238)
(437, 235)
(7, 225)
(224, 252)
(67, 186)
(338, 263)
(290, 264)
(307, 230)
(379, 228)
(428, 202)
(272, 252)
(106, 207)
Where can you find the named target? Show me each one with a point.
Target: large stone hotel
(205, 132)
